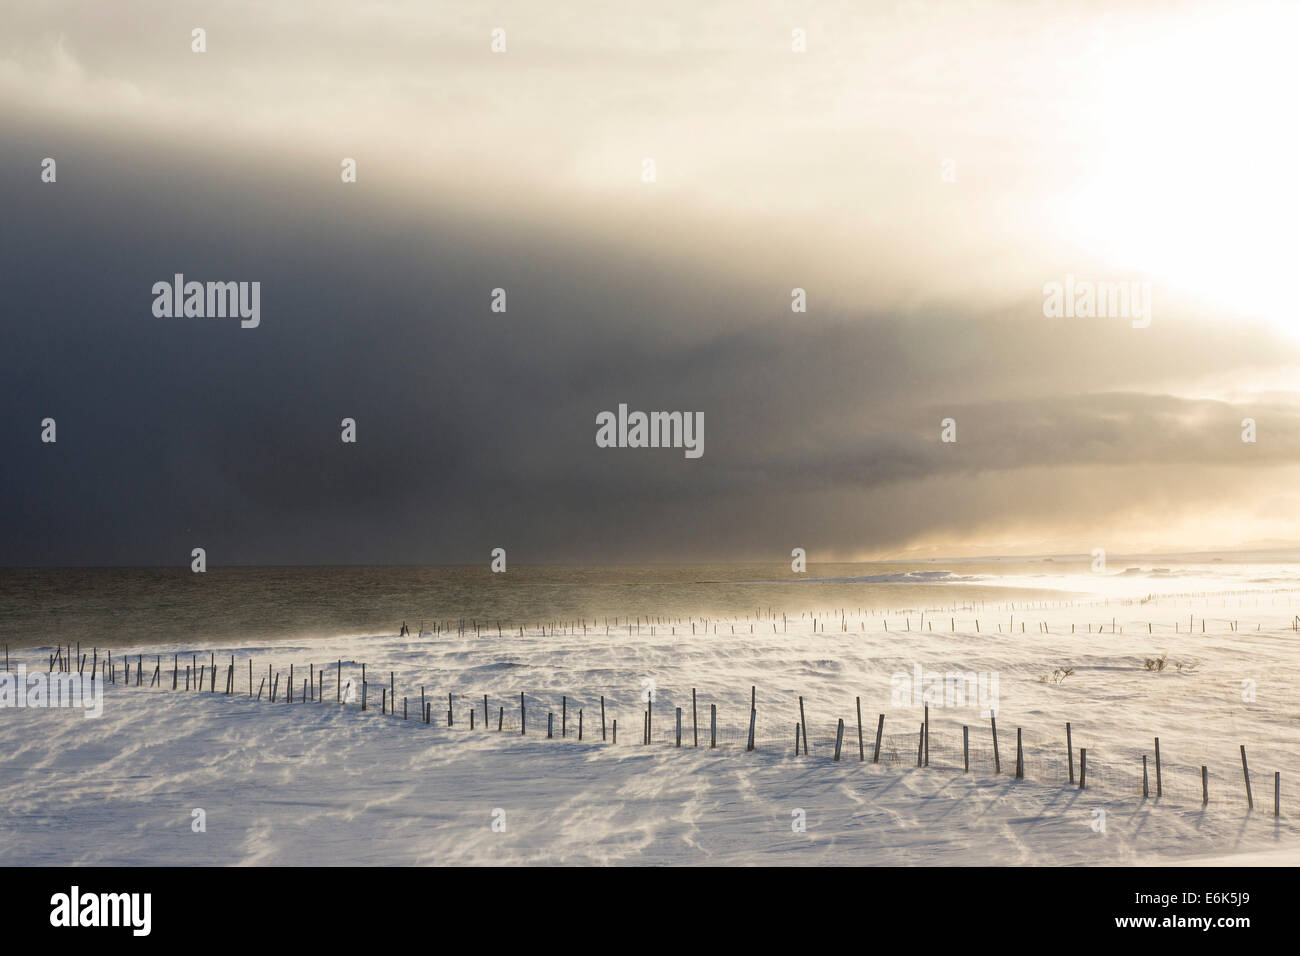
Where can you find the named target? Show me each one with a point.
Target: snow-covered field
(318, 783)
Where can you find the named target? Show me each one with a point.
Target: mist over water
(108, 607)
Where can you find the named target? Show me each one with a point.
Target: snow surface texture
(317, 783)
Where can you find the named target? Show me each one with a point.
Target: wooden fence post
(965, 747)
(1205, 785)
(927, 735)
(839, 739)
(1069, 750)
(695, 719)
(1083, 766)
(1145, 792)
(602, 717)
(920, 743)
(579, 723)
(997, 760)
(752, 715)
(796, 738)
(679, 726)
(550, 724)
(713, 726)
(501, 718)
(1245, 770)
(804, 724)
(1159, 789)
(1020, 757)
(1277, 793)
(615, 730)
(880, 729)
(862, 755)
(522, 729)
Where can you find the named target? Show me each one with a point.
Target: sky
(921, 171)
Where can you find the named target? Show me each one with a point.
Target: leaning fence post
(997, 760)
(1145, 792)
(839, 738)
(1069, 750)
(880, 729)
(920, 744)
(752, 714)
(796, 738)
(1250, 800)
(861, 752)
(1159, 789)
(1083, 766)
(804, 724)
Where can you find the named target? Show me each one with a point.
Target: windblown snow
(319, 783)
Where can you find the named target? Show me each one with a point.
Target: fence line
(1042, 760)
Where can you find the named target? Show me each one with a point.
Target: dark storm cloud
(477, 430)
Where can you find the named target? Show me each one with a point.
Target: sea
(109, 607)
